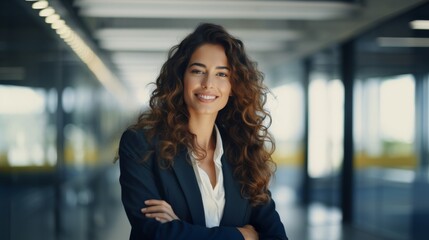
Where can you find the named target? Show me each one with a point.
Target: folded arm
(138, 184)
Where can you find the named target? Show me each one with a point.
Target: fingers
(249, 227)
(156, 202)
(249, 232)
(159, 210)
(160, 217)
(159, 206)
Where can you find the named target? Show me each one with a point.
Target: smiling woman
(177, 183)
(206, 82)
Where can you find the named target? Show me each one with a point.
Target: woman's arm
(160, 210)
(267, 223)
(249, 232)
(138, 185)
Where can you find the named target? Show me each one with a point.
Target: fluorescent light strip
(163, 39)
(46, 12)
(221, 9)
(402, 42)
(53, 18)
(178, 34)
(420, 24)
(40, 4)
(82, 50)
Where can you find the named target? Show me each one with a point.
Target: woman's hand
(160, 210)
(249, 232)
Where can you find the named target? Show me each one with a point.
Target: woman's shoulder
(134, 135)
(134, 142)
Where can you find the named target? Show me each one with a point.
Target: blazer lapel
(234, 213)
(188, 182)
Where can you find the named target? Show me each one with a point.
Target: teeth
(207, 97)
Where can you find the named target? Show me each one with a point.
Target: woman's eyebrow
(223, 67)
(204, 66)
(197, 64)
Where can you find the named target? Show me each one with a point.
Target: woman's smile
(206, 97)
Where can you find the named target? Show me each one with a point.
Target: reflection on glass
(324, 222)
(69, 99)
(21, 101)
(384, 122)
(80, 146)
(397, 109)
(286, 108)
(325, 140)
(427, 133)
(26, 136)
(384, 157)
(286, 105)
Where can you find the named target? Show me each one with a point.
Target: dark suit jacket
(178, 186)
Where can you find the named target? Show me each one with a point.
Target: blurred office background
(350, 107)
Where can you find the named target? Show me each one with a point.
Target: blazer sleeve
(138, 184)
(266, 221)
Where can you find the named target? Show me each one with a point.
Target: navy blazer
(143, 180)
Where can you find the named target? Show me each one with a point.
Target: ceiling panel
(302, 10)
(137, 34)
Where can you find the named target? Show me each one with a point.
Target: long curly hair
(243, 121)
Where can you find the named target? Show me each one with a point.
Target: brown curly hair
(241, 121)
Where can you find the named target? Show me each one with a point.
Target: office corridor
(349, 100)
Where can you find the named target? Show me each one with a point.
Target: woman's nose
(207, 82)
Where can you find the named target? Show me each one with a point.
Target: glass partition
(325, 127)
(286, 105)
(27, 126)
(387, 162)
(385, 159)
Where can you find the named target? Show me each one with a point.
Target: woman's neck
(202, 127)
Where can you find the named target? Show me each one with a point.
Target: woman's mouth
(206, 97)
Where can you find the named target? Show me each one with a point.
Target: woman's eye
(195, 71)
(221, 74)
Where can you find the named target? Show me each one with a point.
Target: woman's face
(207, 85)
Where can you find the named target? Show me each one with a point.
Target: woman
(196, 164)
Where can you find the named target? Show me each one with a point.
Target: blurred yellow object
(292, 159)
(363, 160)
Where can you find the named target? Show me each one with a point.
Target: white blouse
(213, 198)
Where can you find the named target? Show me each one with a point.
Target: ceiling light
(47, 12)
(420, 24)
(402, 42)
(63, 30)
(83, 51)
(58, 24)
(191, 9)
(53, 18)
(68, 34)
(40, 5)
